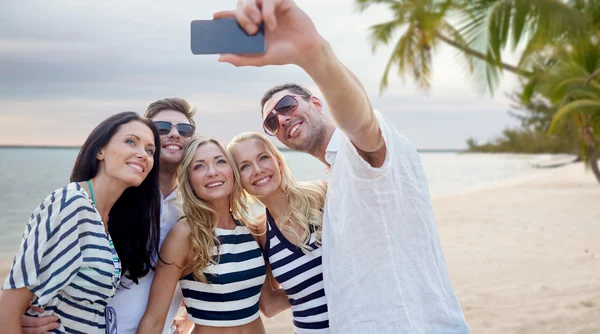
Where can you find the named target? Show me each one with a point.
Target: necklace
(92, 192)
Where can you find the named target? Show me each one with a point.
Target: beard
(169, 164)
(314, 139)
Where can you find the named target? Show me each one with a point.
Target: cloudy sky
(67, 65)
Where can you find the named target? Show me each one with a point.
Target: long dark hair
(134, 220)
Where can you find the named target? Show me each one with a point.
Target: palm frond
(575, 107)
(362, 5)
(382, 32)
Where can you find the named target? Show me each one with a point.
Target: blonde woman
(210, 252)
(291, 233)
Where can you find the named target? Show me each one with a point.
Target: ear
(100, 155)
(316, 103)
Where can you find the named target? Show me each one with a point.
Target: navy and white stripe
(301, 276)
(66, 260)
(230, 298)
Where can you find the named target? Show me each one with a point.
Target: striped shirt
(230, 298)
(301, 276)
(67, 261)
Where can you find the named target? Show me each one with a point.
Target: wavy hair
(306, 199)
(201, 216)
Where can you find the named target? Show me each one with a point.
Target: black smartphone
(224, 36)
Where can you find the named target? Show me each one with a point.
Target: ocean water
(28, 175)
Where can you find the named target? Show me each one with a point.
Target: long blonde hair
(306, 199)
(200, 215)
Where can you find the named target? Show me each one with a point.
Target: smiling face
(259, 170)
(172, 144)
(302, 130)
(210, 173)
(128, 156)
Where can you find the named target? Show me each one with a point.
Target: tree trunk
(479, 55)
(593, 156)
(595, 74)
(592, 150)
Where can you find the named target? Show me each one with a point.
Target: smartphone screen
(224, 36)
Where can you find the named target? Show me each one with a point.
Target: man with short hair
(174, 119)
(383, 267)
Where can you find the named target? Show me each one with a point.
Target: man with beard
(383, 266)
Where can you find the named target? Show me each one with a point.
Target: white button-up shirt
(383, 267)
(130, 304)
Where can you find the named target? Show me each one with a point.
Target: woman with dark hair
(84, 236)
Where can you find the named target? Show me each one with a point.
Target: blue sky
(67, 65)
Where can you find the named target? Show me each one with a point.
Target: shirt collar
(333, 147)
(174, 194)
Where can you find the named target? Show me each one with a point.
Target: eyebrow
(241, 162)
(131, 134)
(138, 138)
(215, 158)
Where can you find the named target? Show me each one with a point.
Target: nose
(256, 169)
(142, 154)
(283, 119)
(174, 133)
(211, 171)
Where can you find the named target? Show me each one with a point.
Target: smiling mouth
(136, 167)
(172, 147)
(262, 181)
(215, 184)
(294, 129)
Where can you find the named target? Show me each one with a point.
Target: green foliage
(532, 135)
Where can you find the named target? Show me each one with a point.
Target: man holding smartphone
(384, 271)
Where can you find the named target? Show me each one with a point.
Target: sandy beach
(524, 257)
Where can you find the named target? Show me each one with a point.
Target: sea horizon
(281, 148)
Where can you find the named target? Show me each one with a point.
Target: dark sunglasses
(184, 129)
(286, 105)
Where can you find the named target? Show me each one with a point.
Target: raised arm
(292, 38)
(174, 252)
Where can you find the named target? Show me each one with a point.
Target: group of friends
(157, 217)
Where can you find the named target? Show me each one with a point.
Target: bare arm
(292, 38)
(348, 103)
(13, 304)
(174, 252)
(273, 299)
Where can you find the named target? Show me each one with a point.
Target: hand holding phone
(224, 36)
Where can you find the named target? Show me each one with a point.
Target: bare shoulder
(182, 227)
(178, 236)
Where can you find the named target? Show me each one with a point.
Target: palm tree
(571, 86)
(480, 32)
(565, 34)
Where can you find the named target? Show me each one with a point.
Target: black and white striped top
(67, 260)
(230, 298)
(301, 276)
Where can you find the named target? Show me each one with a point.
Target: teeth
(294, 129)
(262, 181)
(136, 167)
(173, 147)
(214, 184)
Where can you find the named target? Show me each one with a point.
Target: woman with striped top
(291, 235)
(210, 252)
(83, 237)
